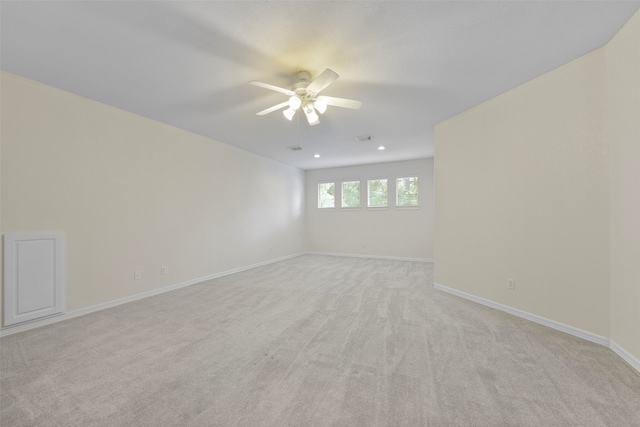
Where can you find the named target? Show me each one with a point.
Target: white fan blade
(272, 87)
(340, 102)
(323, 80)
(274, 108)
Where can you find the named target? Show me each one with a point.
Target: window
(407, 191)
(351, 194)
(377, 193)
(326, 195)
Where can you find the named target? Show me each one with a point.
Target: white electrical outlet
(137, 275)
(512, 284)
(163, 270)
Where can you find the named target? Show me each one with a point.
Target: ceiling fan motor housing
(300, 89)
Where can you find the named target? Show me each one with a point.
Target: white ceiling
(412, 64)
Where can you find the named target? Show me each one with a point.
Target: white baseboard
(8, 330)
(526, 315)
(628, 357)
(624, 354)
(393, 258)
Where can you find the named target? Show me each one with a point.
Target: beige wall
(623, 71)
(394, 232)
(521, 190)
(540, 184)
(133, 194)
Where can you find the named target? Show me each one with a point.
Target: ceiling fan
(304, 94)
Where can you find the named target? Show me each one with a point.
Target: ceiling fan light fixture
(320, 105)
(289, 113)
(312, 117)
(294, 103)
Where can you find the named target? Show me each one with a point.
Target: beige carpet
(311, 341)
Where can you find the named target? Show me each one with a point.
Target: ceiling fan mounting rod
(304, 76)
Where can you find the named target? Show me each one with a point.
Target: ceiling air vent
(295, 148)
(364, 138)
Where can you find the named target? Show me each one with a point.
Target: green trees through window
(326, 195)
(407, 191)
(351, 194)
(377, 193)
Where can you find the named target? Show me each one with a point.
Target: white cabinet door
(33, 276)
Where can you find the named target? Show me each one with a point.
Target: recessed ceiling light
(316, 155)
(381, 147)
